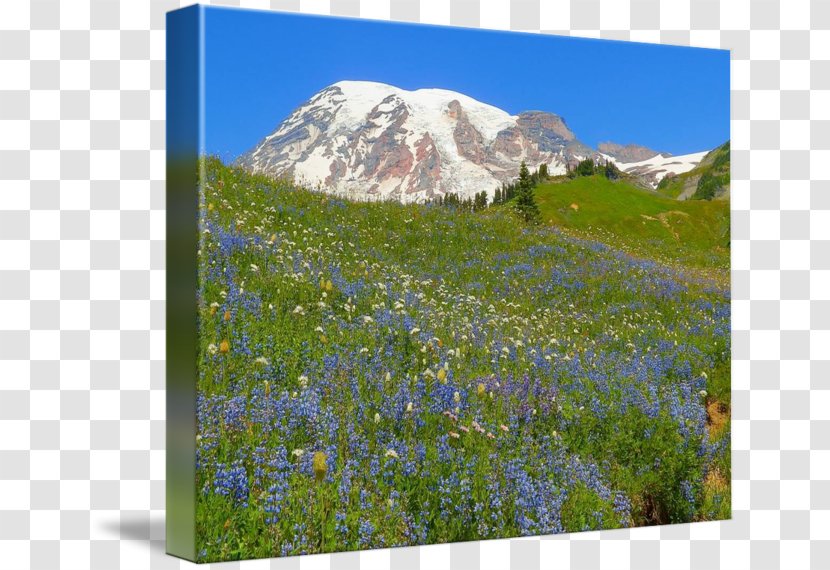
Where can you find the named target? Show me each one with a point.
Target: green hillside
(709, 179)
(691, 233)
(374, 374)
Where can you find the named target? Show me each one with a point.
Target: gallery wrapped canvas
(416, 296)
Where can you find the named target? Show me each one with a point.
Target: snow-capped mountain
(371, 140)
(367, 140)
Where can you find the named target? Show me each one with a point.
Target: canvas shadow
(141, 527)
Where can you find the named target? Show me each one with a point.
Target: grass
(705, 181)
(378, 374)
(693, 234)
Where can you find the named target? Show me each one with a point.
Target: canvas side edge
(184, 124)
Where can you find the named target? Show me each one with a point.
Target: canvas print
(434, 284)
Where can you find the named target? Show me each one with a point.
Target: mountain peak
(352, 88)
(547, 124)
(628, 152)
(370, 140)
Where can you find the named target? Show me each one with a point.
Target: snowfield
(657, 167)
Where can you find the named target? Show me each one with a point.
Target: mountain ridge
(709, 179)
(630, 152)
(369, 140)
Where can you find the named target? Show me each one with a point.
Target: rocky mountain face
(368, 140)
(628, 152)
(365, 140)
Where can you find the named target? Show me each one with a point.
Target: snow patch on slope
(656, 168)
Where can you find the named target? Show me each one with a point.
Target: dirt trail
(663, 218)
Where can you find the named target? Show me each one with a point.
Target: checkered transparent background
(82, 283)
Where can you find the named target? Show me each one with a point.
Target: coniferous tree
(585, 167)
(611, 170)
(497, 196)
(543, 171)
(525, 200)
(480, 201)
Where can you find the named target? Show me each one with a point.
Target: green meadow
(376, 374)
(690, 233)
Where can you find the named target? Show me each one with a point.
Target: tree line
(454, 201)
(588, 167)
(521, 191)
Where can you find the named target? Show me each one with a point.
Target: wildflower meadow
(377, 374)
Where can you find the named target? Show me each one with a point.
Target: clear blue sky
(260, 66)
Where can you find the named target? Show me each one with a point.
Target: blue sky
(260, 66)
